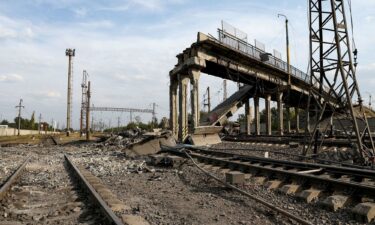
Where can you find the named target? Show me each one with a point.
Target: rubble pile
(102, 166)
(136, 142)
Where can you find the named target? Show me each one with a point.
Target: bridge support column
(173, 116)
(268, 115)
(194, 81)
(288, 119)
(296, 110)
(280, 112)
(183, 81)
(256, 115)
(248, 117)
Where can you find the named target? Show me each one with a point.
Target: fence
(258, 53)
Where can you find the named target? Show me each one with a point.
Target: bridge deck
(233, 59)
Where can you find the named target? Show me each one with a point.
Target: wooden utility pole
(19, 106)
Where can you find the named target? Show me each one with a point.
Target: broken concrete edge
(335, 202)
(364, 212)
(204, 139)
(150, 146)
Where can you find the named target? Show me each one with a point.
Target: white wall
(13, 131)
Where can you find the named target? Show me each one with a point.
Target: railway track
(48, 191)
(332, 187)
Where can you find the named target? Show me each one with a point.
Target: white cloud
(12, 29)
(80, 12)
(11, 78)
(103, 24)
(53, 94)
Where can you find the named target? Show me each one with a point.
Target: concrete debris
(138, 143)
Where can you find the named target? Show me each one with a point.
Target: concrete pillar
(256, 115)
(296, 111)
(268, 115)
(280, 115)
(173, 115)
(288, 119)
(248, 117)
(183, 81)
(195, 108)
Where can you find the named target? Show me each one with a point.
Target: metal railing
(258, 54)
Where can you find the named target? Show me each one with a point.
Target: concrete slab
(290, 189)
(335, 202)
(133, 220)
(147, 147)
(309, 195)
(364, 212)
(235, 177)
(273, 184)
(204, 139)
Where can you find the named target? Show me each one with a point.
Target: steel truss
(332, 71)
(84, 102)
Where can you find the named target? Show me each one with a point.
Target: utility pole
(287, 46)
(88, 112)
(153, 112)
(19, 106)
(208, 104)
(70, 53)
(40, 123)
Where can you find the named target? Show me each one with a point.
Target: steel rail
(255, 198)
(357, 172)
(360, 188)
(308, 157)
(113, 219)
(13, 178)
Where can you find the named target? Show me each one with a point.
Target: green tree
(4, 122)
(32, 125)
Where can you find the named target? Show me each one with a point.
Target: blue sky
(129, 46)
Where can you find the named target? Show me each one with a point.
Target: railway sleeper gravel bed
(330, 190)
(45, 193)
(9, 162)
(108, 202)
(181, 194)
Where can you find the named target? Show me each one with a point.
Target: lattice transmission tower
(333, 77)
(84, 103)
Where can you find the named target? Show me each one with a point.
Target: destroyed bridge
(229, 57)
